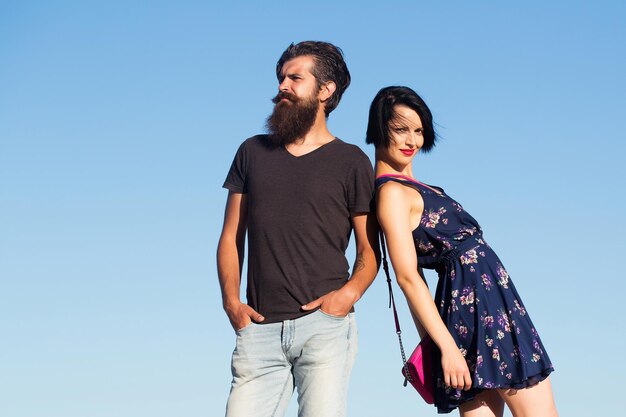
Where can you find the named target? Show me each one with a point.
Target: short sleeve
(361, 186)
(236, 180)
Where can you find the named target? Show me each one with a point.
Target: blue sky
(119, 120)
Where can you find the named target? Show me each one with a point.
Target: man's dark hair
(329, 66)
(382, 111)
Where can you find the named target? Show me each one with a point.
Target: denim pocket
(331, 315)
(245, 328)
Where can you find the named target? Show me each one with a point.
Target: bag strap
(392, 304)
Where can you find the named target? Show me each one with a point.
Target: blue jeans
(313, 354)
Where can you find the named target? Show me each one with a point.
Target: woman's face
(405, 135)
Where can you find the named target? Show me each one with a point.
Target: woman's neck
(384, 168)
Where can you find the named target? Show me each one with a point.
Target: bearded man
(298, 193)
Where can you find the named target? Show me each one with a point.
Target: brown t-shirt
(299, 226)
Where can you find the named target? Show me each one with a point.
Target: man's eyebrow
(294, 72)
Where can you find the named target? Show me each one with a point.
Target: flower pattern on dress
(515, 354)
(425, 247)
(432, 217)
(504, 321)
(469, 257)
(468, 296)
(502, 367)
(467, 231)
(503, 277)
(487, 282)
(487, 320)
(461, 330)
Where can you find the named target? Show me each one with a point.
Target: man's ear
(326, 91)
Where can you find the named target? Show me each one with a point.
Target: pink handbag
(418, 370)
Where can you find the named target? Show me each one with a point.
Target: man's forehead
(299, 64)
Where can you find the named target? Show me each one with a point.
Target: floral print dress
(476, 300)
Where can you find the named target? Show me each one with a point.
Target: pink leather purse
(418, 370)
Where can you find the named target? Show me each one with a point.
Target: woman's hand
(455, 371)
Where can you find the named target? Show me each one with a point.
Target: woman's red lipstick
(407, 152)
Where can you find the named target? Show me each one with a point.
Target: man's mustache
(284, 94)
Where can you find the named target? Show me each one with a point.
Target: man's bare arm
(230, 255)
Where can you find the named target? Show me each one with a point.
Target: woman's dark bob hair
(382, 112)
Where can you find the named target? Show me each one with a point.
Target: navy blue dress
(476, 300)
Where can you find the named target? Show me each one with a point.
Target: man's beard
(291, 120)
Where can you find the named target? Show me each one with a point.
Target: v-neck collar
(319, 148)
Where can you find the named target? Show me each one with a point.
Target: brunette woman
(488, 351)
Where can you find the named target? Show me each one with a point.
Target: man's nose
(284, 85)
